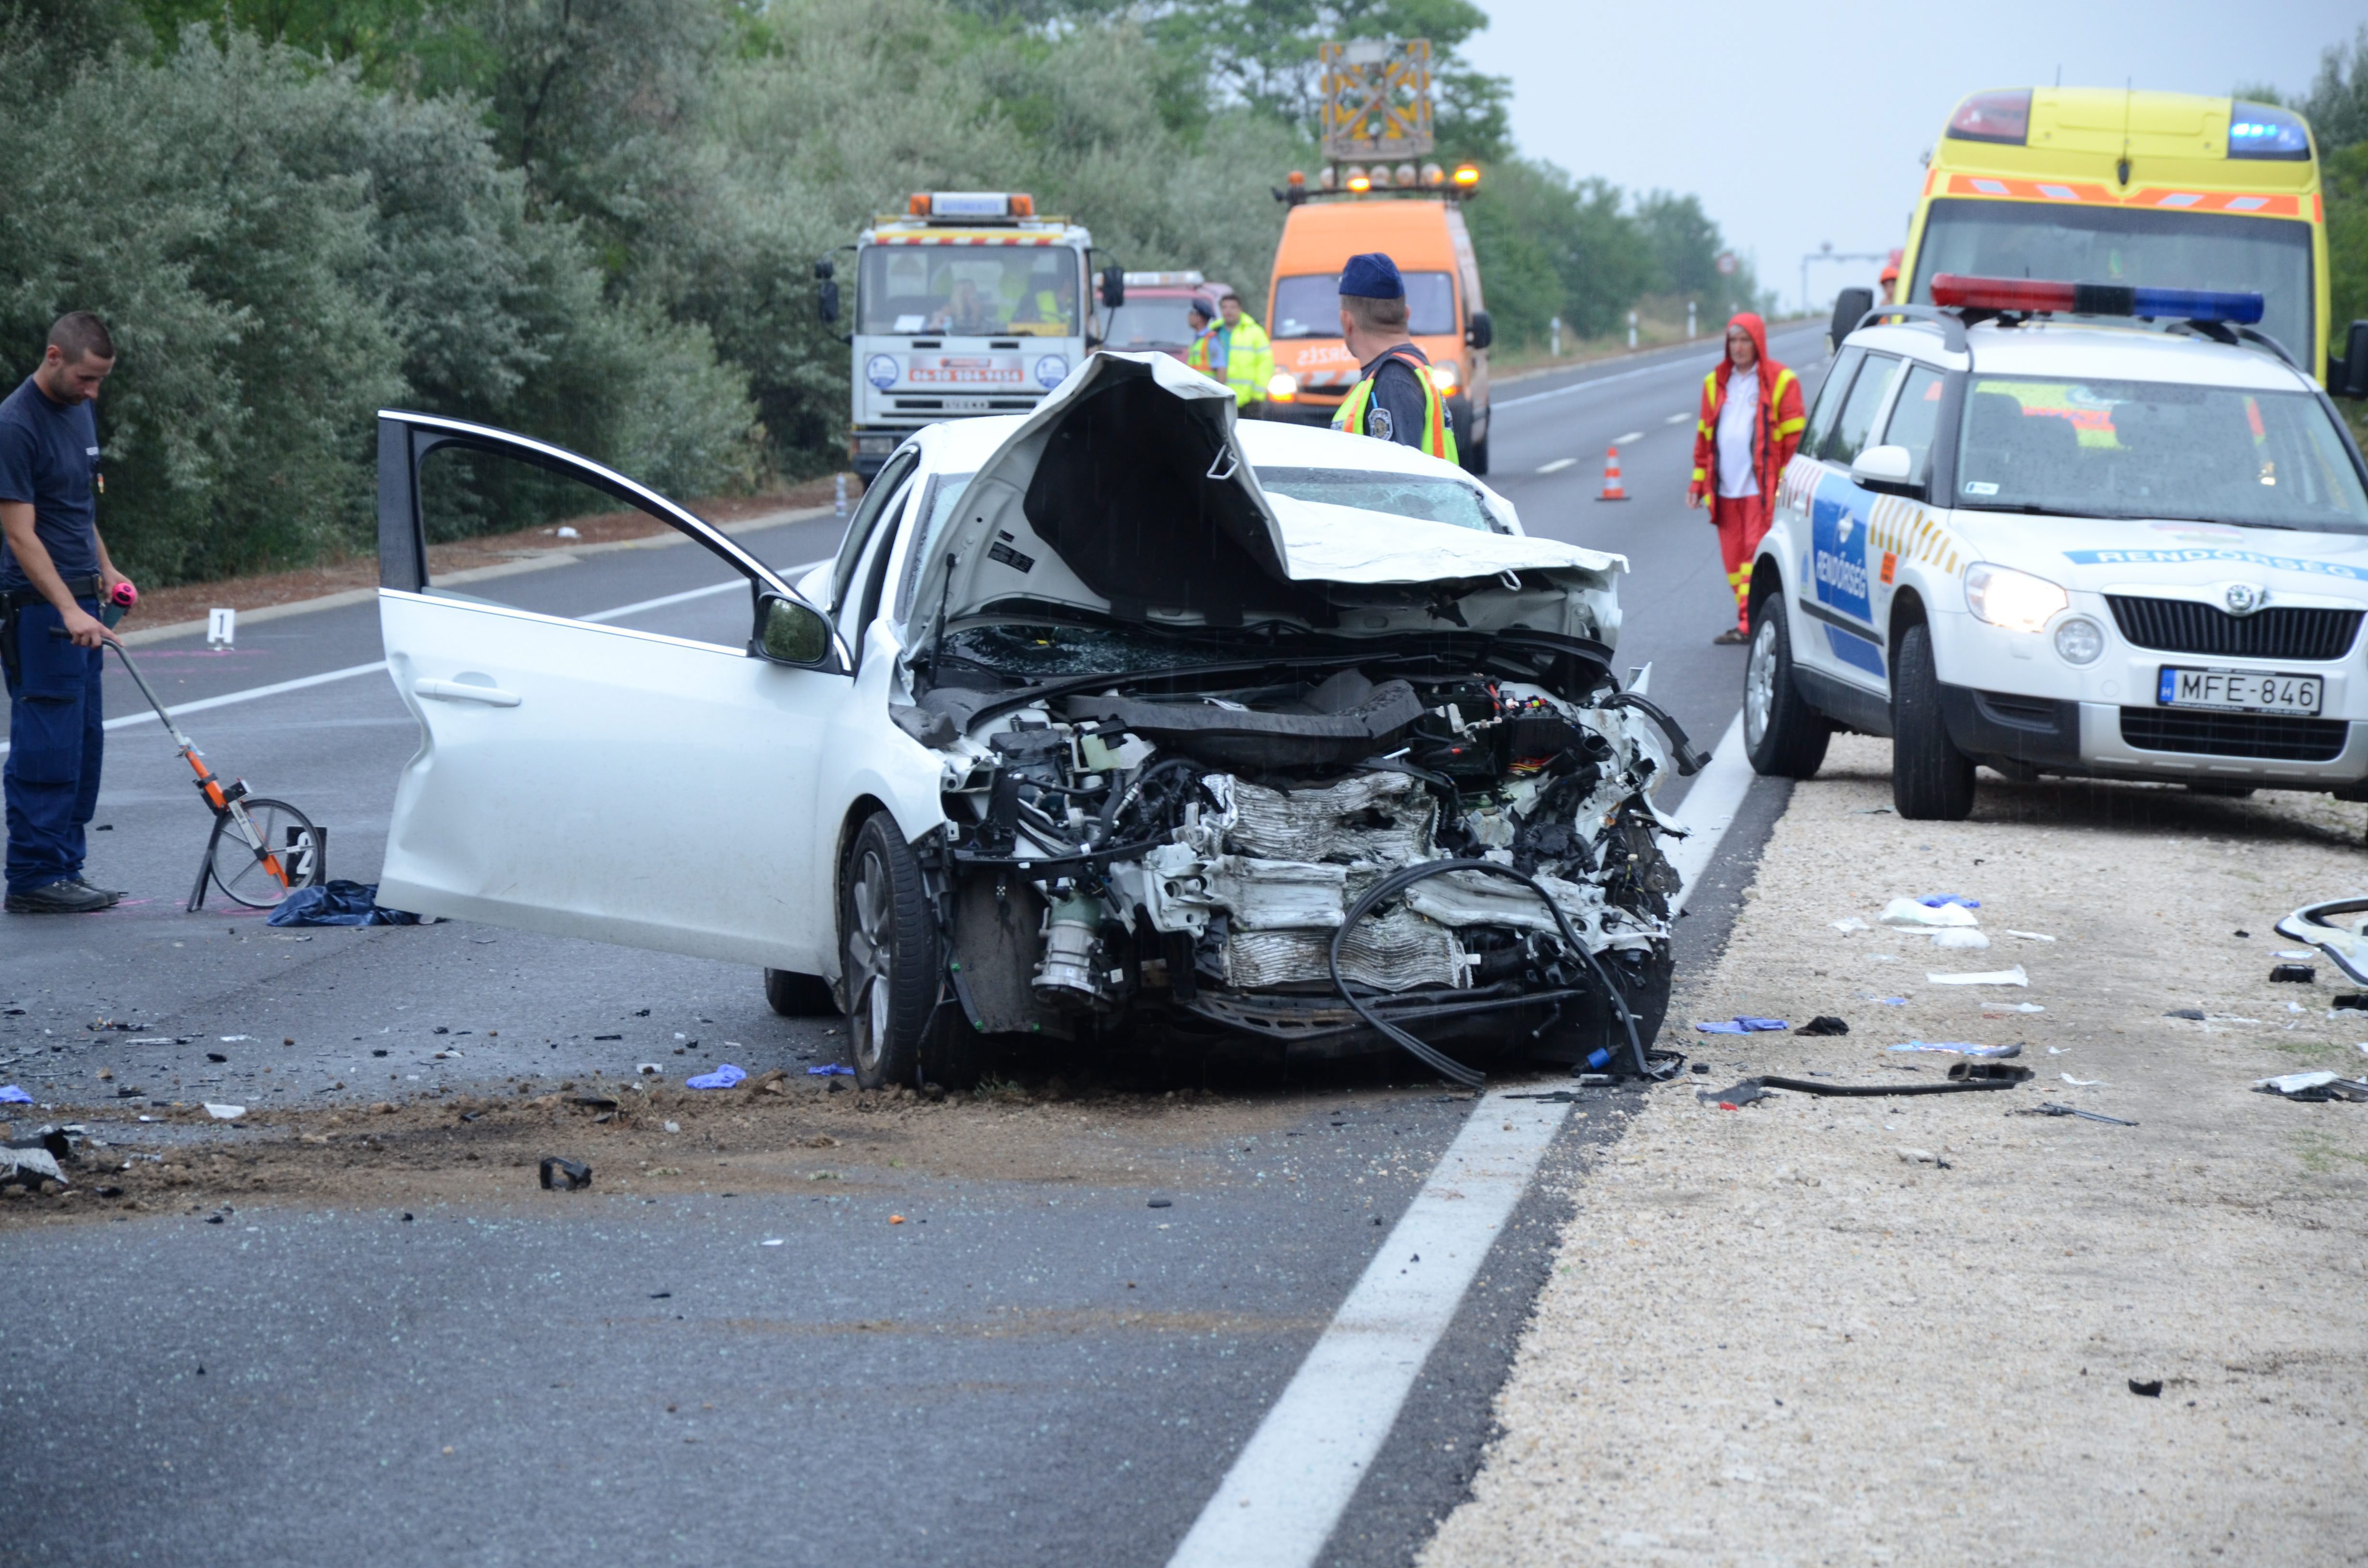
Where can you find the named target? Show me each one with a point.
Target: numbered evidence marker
(221, 627)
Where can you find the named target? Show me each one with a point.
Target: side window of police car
(1856, 422)
(1915, 418)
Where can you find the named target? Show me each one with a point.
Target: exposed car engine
(1360, 850)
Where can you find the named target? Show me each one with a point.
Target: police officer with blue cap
(1393, 399)
(54, 575)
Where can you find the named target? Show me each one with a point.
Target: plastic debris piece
(2351, 1001)
(1987, 977)
(1849, 924)
(224, 1112)
(1940, 899)
(1997, 1009)
(2080, 1083)
(2150, 1389)
(1965, 1071)
(12, 1094)
(1961, 1048)
(2032, 936)
(2049, 1107)
(2302, 954)
(30, 1167)
(1886, 1001)
(1911, 914)
(724, 1077)
(2314, 1087)
(1823, 1023)
(831, 1069)
(2335, 929)
(574, 1175)
(2193, 1014)
(1875, 1091)
(1744, 1026)
(233, 1038)
(1968, 939)
(1735, 1097)
(1919, 1156)
(2293, 973)
(340, 902)
(771, 1241)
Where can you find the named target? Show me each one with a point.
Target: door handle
(454, 692)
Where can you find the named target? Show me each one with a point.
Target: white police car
(2070, 547)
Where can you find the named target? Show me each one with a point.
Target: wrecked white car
(1115, 722)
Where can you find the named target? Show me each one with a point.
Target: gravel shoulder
(1771, 1336)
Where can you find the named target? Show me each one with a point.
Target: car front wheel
(888, 944)
(1782, 734)
(1931, 781)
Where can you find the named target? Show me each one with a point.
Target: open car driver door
(596, 781)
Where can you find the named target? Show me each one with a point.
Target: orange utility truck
(1377, 193)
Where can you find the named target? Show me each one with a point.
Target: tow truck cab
(966, 303)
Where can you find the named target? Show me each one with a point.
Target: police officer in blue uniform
(55, 575)
(1399, 404)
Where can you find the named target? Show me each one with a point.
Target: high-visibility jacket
(1436, 437)
(1249, 359)
(1776, 424)
(1198, 353)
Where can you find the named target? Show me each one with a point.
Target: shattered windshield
(1038, 652)
(1399, 495)
(2109, 448)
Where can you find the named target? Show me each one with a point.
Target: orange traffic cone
(1611, 491)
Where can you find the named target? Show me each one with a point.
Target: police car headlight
(2080, 641)
(1444, 376)
(1282, 387)
(2015, 600)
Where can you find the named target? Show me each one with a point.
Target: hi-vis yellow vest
(1437, 438)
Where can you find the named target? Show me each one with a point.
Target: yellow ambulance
(2112, 186)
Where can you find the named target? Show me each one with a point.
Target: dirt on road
(1948, 1330)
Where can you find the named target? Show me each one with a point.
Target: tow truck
(968, 303)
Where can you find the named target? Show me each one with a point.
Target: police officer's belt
(78, 587)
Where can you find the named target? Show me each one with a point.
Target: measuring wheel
(290, 857)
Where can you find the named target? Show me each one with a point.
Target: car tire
(1784, 737)
(1931, 781)
(795, 995)
(890, 951)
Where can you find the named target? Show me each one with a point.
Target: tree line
(595, 220)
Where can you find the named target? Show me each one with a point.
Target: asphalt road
(1046, 1370)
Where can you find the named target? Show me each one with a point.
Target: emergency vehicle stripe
(1994, 187)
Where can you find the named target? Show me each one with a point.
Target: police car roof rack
(1952, 323)
(2234, 334)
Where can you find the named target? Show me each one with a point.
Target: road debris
(574, 1175)
(831, 1069)
(11, 1094)
(1914, 914)
(2032, 936)
(1849, 924)
(2149, 1389)
(1968, 940)
(2049, 1107)
(1744, 1026)
(1920, 1156)
(724, 1077)
(1976, 1070)
(2293, 973)
(2314, 1087)
(1960, 1048)
(1742, 1094)
(224, 1112)
(2080, 1083)
(1735, 1097)
(1988, 977)
(30, 1167)
(1824, 1024)
(2334, 928)
(340, 902)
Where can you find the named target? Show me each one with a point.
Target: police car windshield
(1310, 306)
(1399, 495)
(968, 291)
(2269, 256)
(2152, 449)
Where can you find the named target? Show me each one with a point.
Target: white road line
(1558, 465)
(1301, 1468)
(256, 693)
(1677, 419)
(1632, 436)
(1279, 1503)
(1708, 810)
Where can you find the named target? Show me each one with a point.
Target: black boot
(60, 898)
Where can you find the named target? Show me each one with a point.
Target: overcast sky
(1801, 124)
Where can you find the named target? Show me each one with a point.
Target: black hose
(1447, 1066)
(1115, 807)
(1690, 761)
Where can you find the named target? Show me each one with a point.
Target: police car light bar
(2095, 299)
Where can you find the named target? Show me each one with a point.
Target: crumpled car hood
(1126, 495)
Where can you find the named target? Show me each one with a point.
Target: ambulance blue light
(2259, 130)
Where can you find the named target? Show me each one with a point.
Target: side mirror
(1482, 332)
(826, 291)
(2348, 377)
(1113, 287)
(1888, 470)
(1849, 305)
(791, 633)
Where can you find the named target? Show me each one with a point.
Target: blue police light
(2259, 130)
(2196, 304)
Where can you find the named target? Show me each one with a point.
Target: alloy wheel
(1760, 682)
(870, 943)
